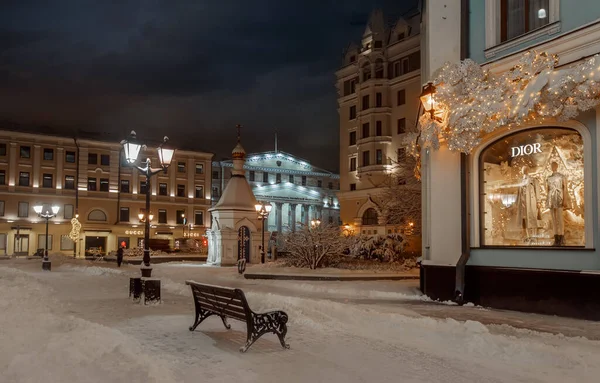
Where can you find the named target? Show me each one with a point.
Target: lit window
(532, 188)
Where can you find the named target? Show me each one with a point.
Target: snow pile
(38, 344)
(93, 270)
(351, 291)
(541, 356)
(175, 287)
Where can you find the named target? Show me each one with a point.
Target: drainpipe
(459, 290)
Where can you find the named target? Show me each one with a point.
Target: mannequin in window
(558, 199)
(527, 204)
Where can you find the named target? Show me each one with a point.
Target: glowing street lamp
(263, 210)
(315, 223)
(132, 149)
(46, 214)
(428, 100)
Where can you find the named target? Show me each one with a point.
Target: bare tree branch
(310, 246)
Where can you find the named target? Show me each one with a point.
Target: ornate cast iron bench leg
(201, 315)
(224, 319)
(274, 322)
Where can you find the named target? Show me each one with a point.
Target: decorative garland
(473, 102)
(75, 230)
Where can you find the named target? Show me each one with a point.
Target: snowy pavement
(76, 324)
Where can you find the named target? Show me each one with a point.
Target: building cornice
(279, 170)
(69, 142)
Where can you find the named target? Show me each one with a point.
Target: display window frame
(478, 191)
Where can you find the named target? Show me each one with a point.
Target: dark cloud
(191, 68)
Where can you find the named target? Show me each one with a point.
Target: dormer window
(352, 58)
(401, 36)
(378, 44)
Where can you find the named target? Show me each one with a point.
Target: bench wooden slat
(226, 313)
(224, 291)
(235, 301)
(238, 313)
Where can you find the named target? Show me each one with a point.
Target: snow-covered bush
(385, 248)
(311, 246)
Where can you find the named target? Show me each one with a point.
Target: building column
(278, 206)
(35, 175)
(12, 167)
(319, 212)
(60, 157)
(305, 212)
(293, 216)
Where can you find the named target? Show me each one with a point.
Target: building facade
(512, 222)
(378, 88)
(89, 180)
(298, 191)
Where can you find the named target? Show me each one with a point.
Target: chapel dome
(238, 152)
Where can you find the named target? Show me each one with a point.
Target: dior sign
(525, 150)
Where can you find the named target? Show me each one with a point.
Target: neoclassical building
(298, 191)
(88, 179)
(378, 99)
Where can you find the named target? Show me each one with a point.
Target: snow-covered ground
(76, 324)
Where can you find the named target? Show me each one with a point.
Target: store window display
(532, 189)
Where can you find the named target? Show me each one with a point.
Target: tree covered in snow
(400, 197)
(311, 246)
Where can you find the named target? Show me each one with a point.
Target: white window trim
(492, 28)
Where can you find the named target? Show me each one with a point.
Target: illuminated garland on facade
(473, 102)
(75, 230)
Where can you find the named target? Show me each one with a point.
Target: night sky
(190, 69)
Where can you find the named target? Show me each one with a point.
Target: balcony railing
(370, 139)
(376, 168)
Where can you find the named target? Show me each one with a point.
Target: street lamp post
(132, 149)
(46, 214)
(263, 210)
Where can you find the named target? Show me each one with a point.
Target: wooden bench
(231, 303)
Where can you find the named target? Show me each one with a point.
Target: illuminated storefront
(532, 189)
(509, 172)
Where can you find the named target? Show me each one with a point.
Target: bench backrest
(221, 300)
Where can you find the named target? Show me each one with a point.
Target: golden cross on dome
(238, 127)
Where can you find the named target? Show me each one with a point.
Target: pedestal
(146, 272)
(46, 265)
(146, 287)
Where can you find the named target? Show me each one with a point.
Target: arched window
(369, 217)
(97, 215)
(532, 189)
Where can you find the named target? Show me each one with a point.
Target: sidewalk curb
(157, 260)
(321, 277)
